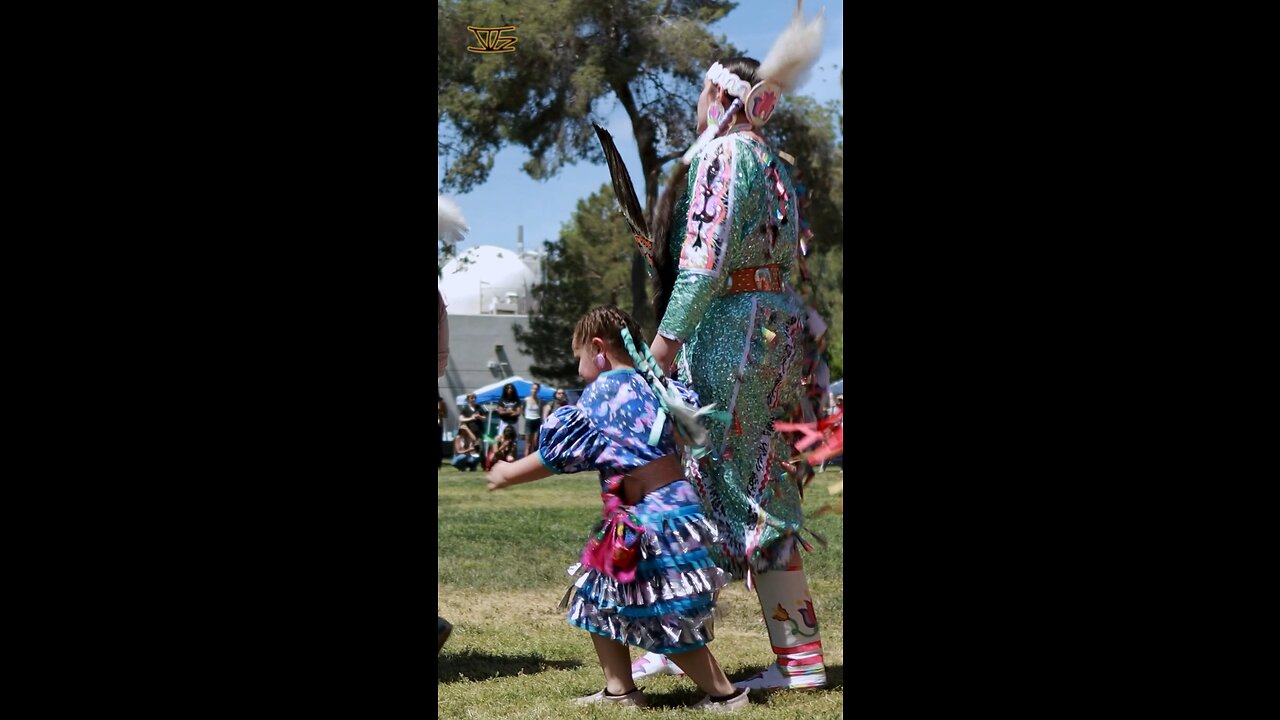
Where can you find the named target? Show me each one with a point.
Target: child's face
(587, 361)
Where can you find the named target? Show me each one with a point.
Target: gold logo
(492, 40)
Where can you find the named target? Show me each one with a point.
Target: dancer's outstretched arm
(526, 469)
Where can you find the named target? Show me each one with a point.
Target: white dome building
(486, 291)
(489, 280)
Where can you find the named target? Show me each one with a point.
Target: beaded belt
(763, 278)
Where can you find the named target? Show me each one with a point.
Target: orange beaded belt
(764, 278)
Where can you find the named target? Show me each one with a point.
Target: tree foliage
(572, 59)
(588, 265)
(597, 232)
(563, 296)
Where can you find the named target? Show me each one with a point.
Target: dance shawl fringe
(626, 611)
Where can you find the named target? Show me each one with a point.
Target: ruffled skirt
(665, 608)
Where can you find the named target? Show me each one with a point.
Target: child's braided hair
(617, 328)
(605, 322)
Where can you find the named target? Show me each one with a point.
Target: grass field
(502, 560)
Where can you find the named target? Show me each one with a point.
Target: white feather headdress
(794, 52)
(785, 67)
(451, 222)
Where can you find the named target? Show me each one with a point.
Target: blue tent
(490, 393)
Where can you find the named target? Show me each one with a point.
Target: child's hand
(498, 475)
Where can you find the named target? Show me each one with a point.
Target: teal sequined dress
(747, 352)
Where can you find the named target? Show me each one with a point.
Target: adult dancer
(726, 258)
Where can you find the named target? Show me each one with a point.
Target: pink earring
(714, 113)
(600, 361)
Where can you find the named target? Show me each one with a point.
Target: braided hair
(621, 332)
(604, 322)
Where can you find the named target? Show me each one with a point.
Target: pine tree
(561, 299)
(598, 234)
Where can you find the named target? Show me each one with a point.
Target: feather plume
(451, 222)
(626, 195)
(794, 52)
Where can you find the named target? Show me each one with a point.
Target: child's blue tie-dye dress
(665, 606)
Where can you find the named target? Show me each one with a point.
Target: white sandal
(635, 698)
(651, 664)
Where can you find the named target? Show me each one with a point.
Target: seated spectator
(505, 447)
(466, 454)
(472, 416)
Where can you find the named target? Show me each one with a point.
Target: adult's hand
(664, 351)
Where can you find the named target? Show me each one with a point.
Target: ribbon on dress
(828, 431)
(615, 548)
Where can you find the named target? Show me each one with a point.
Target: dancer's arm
(708, 229)
(664, 351)
(526, 469)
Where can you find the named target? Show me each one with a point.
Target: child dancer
(649, 580)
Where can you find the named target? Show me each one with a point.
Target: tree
(586, 267)
(561, 298)
(829, 280)
(597, 233)
(571, 57)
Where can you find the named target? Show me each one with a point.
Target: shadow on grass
(676, 699)
(469, 666)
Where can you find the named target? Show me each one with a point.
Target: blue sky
(510, 198)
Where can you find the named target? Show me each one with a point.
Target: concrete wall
(472, 339)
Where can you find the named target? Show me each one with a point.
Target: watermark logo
(492, 40)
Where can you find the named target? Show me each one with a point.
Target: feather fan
(626, 194)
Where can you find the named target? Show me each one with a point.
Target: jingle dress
(666, 595)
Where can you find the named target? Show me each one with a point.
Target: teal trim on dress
(545, 465)
(616, 371)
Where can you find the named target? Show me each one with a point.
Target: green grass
(502, 560)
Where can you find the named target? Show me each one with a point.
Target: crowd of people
(474, 447)
(698, 486)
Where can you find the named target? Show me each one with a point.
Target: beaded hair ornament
(783, 70)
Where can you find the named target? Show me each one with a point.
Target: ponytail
(664, 266)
